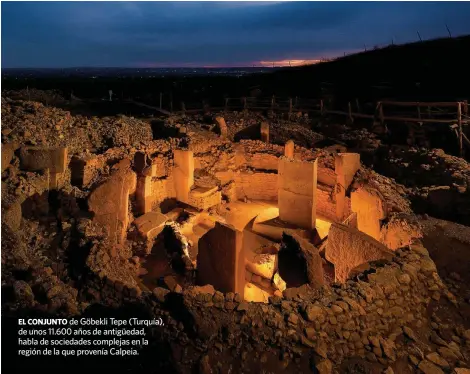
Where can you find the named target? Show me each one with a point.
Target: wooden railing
(252, 103)
(455, 114)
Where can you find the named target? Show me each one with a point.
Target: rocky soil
(33, 123)
(439, 183)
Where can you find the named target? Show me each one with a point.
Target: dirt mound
(424, 168)
(33, 123)
(46, 97)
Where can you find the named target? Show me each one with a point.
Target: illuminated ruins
(233, 205)
(307, 248)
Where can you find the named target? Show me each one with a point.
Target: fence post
(321, 107)
(244, 103)
(429, 111)
(296, 102)
(272, 102)
(419, 112)
(161, 100)
(226, 105)
(459, 121)
(290, 106)
(358, 106)
(183, 107)
(381, 113)
(350, 112)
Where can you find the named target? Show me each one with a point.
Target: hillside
(439, 66)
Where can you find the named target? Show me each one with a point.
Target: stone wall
(326, 176)
(256, 186)
(359, 319)
(364, 317)
(263, 161)
(163, 189)
(326, 203)
(253, 167)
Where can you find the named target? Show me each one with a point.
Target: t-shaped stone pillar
(220, 260)
(297, 189)
(346, 166)
(110, 202)
(370, 209)
(289, 149)
(222, 126)
(144, 198)
(183, 173)
(265, 132)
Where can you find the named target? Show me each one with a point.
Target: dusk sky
(171, 34)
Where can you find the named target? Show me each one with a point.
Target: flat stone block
(254, 293)
(150, 224)
(348, 248)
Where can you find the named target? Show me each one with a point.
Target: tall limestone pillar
(297, 188)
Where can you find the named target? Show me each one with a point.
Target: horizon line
(148, 67)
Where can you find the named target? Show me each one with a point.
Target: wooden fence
(252, 103)
(454, 114)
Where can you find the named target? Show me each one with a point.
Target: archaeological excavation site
(263, 243)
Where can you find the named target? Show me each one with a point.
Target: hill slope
(439, 66)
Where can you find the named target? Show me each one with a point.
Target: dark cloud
(59, 34)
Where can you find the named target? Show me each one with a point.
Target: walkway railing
(455, 114)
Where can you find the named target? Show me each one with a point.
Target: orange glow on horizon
(288, 63)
